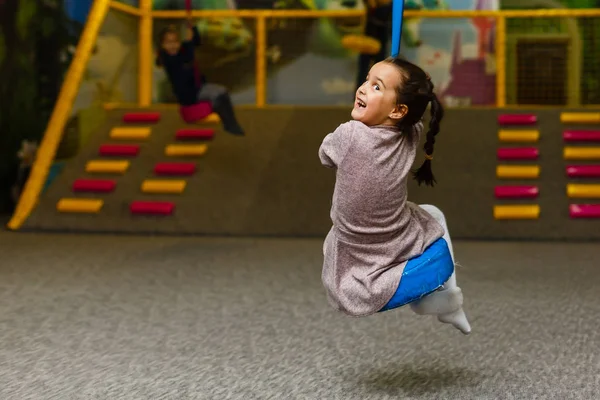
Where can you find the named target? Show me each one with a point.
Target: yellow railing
(146, 14)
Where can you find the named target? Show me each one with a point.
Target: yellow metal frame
(146, 15)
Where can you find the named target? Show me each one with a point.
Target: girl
(189, 86)
(376, 231)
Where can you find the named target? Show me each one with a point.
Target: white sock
(446, 304)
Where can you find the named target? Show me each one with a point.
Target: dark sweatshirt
(181, 70)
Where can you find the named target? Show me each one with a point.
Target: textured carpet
(102, 317)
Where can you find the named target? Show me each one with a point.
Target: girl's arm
(335, 145)
(193, 34)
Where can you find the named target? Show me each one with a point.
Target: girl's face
(375, 102)
(171, 43)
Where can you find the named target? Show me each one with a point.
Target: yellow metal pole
(539, 13)
(501, 62)
(145, 61)
(261, 60)
(60, 114)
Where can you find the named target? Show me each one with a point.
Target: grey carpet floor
(117, 317)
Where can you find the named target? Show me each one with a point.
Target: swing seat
(196, 112)
(423, 275)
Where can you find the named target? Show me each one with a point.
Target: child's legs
(446, 302)
(219, 98)
(211, 92)
(438, 215)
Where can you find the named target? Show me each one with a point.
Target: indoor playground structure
(526, 166)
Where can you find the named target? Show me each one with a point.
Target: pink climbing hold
(518, 153)
(119, 150)
(514, 192)
(581, 136)
(195, 134)
(94, 185)
(141, 117)
(583, 171)
(517, 119)
(152, 207)
(175, 168)
(584, 210)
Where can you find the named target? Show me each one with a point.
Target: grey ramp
(119, 317)
(270, 183)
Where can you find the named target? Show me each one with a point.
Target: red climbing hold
(583, 171)
(194, 134)
(119, 150)
(94, 185)
(584, 210)
(141, 117)
(581, 136)
(152, 207)
(517, 153)
(516, 192)
(175, 168)
(517, 119)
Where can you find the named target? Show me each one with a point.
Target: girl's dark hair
(165, 31)
(416, 92)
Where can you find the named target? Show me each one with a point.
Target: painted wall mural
(305, 59)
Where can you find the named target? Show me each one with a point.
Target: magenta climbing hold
(516, 192)
(581, 136)
(517, 119)
(584, 210)
(583, 171)
(518, 153)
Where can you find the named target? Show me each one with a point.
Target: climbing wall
(122, 148)
(518, 158)
(582, 157)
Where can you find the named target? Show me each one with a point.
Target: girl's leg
(221, 103)
(446, 302)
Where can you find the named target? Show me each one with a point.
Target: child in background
(189, 85)
(376, 231)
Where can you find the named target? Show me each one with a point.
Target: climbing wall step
(195, 134)
(518, 136)
(518, 153)
(517, 119)
(123, 133)
(175, 169)
(583, 171)
(516, 192)
(581, 153)
(584, 210)
(517, 171)
(163, 186)
(211, 119)
(185, 150)
(141, 117)
(120, 150)
(107, 167)
(580, 117)
(583, 191)
(94, 185)
(72, 205)
(517, 211)
(581, 136)
(152, 207)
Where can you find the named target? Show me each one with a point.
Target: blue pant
(423, 275)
